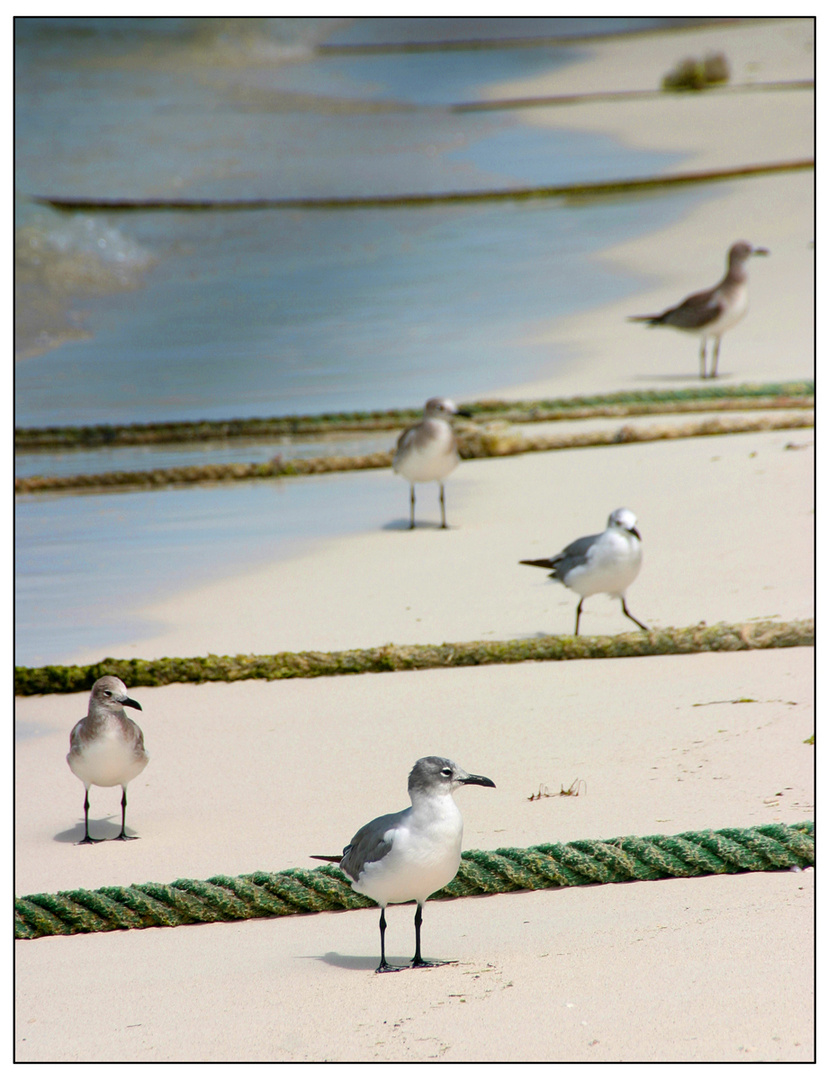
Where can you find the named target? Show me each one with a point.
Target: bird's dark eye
(445, 772)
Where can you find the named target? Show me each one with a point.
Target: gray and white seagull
(605, 563)
(427, 451)
(414, 853)
(106, 748)
(711, 312)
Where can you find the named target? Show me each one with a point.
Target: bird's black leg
(418, 956)
(411, 526)
(87, 839)
(703, 358)
(578, 616)
(629, 616)
(122, 834)
(442, 506)
(714, 371)
(418, 922)
(383, 966)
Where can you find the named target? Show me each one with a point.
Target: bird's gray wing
(574, 554)
(139, 739)
(404, 443)
(369, 844)
(562, 563)
(696, 311)
(74, 737)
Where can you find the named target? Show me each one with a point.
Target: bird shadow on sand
(688, 376)
(403, 525)
(356, 963)
(98, 828)
(369, 963)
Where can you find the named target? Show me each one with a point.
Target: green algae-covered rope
(355, 202)
(784, 395)
(721, 637)
(480, 443)
(291, 892)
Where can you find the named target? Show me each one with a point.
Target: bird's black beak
(760, 251)
(134, 704)
(635, 532)
(463, 412)
(481, 781)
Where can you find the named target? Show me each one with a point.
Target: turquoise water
(162, 316)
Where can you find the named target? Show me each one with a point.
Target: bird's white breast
(429, 453)
(424, 856)
(107, 760)
(735, 311)
(613, 564)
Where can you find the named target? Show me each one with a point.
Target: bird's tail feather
(548, 564)
(326, 858)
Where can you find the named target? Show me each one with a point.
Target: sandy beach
(257, 775)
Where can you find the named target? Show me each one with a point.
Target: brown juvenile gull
(106, 748)
(605, 563)
(428, 450)
(710, 313)
(414, 853)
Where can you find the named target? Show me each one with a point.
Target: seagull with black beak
(607, 562)
(413, 853)
(106, 748)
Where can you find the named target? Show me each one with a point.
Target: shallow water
(86, 564)
(165, 315)
(264, 314)
(139, 316)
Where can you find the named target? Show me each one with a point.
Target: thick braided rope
(292, 892)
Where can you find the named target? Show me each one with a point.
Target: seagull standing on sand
(715, 310)
(414, 853)
(428, 450)
(605, 563)
(106, 748)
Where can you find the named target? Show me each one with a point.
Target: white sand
(259, 775)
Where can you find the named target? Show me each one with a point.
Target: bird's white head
(622, 518)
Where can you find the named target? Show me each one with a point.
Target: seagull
(106, 748)
(715, 310)
(414, 853)
(428, 450)
(606, 563)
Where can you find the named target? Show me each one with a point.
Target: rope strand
(291, 892)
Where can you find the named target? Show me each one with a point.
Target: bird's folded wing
(371, 843)
(696, 311)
